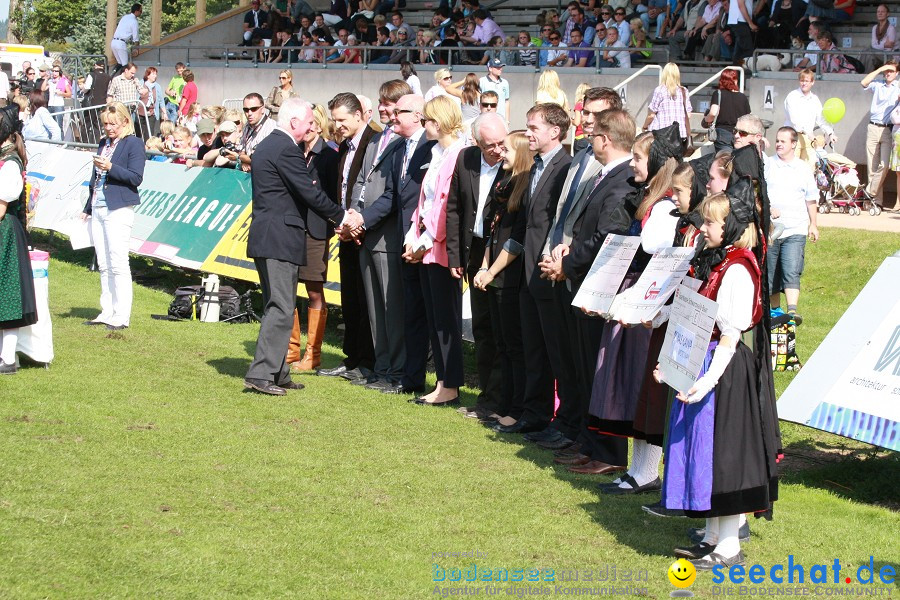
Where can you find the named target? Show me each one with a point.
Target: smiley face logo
(682, 573)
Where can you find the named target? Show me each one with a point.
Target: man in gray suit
(379, 255)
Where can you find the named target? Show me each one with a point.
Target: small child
(182, 145)
(166, 131)
(156, 144)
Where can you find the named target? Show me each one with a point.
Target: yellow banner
(229, 259)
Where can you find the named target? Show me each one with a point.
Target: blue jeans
(724, 139)
(785, 262)
(55, 110)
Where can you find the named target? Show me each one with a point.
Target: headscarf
(742, 204)
(666, 144)
(9, 122)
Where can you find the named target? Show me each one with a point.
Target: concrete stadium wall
(317, 84)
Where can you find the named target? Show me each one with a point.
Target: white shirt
(415, 84)
(352, 147)
(804, 113)
(429, 188)
(4, 85)
(812, 58)
(127, 28)
(10, 182)
(791, 188)
(485, 182)
(502, 89)
(735, 300)
(659, 230)
(612, 165)
(623, 55)
(884, 99)
(734, 11)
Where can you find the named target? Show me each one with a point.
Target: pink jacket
(435, 221)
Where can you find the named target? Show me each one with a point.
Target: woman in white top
(442, 81)
(884, 38)
(426, 243)
(549, 91)
(41, 125)
(670, 103)
(408, 72)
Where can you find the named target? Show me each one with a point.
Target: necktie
(567, 206)
(385, 140)
(536, 171)
(407, 154)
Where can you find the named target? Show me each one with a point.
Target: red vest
(733, 256)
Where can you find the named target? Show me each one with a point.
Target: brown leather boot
(312, 358)
(293, 353)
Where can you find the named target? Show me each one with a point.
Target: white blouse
(10, 182)
(735, 300)
(659, 230)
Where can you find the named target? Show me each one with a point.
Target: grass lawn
(136, 466)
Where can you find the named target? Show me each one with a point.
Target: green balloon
(833, 110)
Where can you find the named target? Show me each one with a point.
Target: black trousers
(561, 344)
(507, 324)
(490, 376)
(743, 42)
(415, 326)
(443, 307)
(537, 342)
(357, 333)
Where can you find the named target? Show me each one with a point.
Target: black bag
(187, 299)
(856, 64)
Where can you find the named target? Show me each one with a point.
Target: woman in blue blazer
(118, 171)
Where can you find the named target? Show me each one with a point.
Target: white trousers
(120, 51)
(111, 230)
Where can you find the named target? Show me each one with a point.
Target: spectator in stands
(496, 44)
(41, 125)
(787, 19)
(494, 81)
(742, 28)
(820, 10)
(578, 20)
(426, 48)
(365, 9)
(546, 30)
(338, 14)
(639, 40)
(803, 112)
(556, 56)
(843, 10)
(308, 53)
(622, 25)
(548, 90)
(599, 36)
(485, 29)
(809, 61)
(656, 15)
(720, 40)
(489, 101)
(382, 41)
(529, 57)
(254, 21)
(398, 24)
(402, 52)
(727, 105)
(509, 55)
(441, 21)
(615, 54)
(884, 38)
(669, 103)
(408, 73)
(703, 27)
(364, 34)
(885, 95)
(188, 94)
(606, 16)
(124, 87)
(835, 61)
(319, 23)
(578, 58)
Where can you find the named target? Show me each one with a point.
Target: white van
(13, 55)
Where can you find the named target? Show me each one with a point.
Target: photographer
(226, 149)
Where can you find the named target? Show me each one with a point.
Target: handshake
(352, 227)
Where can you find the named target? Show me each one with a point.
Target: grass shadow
(80, 312)
(234, 367)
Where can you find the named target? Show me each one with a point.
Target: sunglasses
(282, 77)
(30, 73)
(742, 133)
(402, 111)
(250, 109)
(620, 14)
(56, 71)
(446, 78)
(605, 13)
(554, 39)
(489, 104)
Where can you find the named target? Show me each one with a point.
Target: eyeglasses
(607, 13)
(489, 104)
(446, 78)
(554, 38)
(743, 133)
(30, 73)
(282, 77)
(401, 111)
(588, 113)
(403, 33)
(545, 29)
(250, 109)
(56, 71)
(620, 14)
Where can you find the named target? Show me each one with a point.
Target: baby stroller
(840, 187)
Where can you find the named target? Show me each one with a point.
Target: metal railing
(802, 52)
(449, 57)
(639, 72)
(233, 103)
(93, 147)
(715, 78)
(84, 125)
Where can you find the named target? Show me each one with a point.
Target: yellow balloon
(833, 110)
(682, 573)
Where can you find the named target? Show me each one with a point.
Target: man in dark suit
(382, 244)
(469, 210)
(350, 122)
(401, 194)
(282, 195)
(547, 125)
(603, 213)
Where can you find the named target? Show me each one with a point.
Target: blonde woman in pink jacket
(426, 242)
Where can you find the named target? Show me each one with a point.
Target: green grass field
(136, 466)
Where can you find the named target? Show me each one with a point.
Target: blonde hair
(212, 112)
(722, 161)
(683, 177)
(716, 208)
(118, 111)
(446, 113)
(323, 122)
(166, 128)
(580, 91)
(22, 101)
(232, 115)
(427, 36)
(440, 74)
(183, 132)
(636, 25)
(661, 181)
(287, 73)
(156, 144)
(521, 169)
(548, 86)
(671, 78)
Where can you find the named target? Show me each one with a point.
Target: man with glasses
(546, 30)
(258, 127)
(493, 82)
(126, 31)
(599, 36)
(578, 20)
(878, 132)
(489, 102)
(470, 206)
(557, 56)
(606, 16)
(581, 56)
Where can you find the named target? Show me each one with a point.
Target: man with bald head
(283, 193)
(469, 210)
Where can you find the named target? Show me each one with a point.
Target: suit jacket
(323, 169)
(462, 206)
(435, 222)
(603, 213)
(124, 176)
(381, 220)
(585, 185)
(541, 208)
(283, 193)
(355, 165)
(406, 195)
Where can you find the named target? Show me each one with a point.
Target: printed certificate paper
(690, 328)
(654, 287)
(602, 282)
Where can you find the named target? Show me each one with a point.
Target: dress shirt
(423, 239)
(124, 90)
(485, 182)
(484, 32)
(352, 146)
(791, 187)
(127, 29)
(804, 113)
(540, 163)
(884, 99)
(612, 165)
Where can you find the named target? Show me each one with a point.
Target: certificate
(607, 272)
(655, 285)
(690, 328)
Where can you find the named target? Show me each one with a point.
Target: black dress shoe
(357, 373)
(424, 402)
(714, 559)
(264, 387)
(653, 486)
(116, 327)
(402, 389)
(92, 323)
(365, 380)
(291, 385)
(562, 442)
(377, 384)
(694, 552)
(520, 426)
(548, 434)
(8, 368)
(332, 372)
